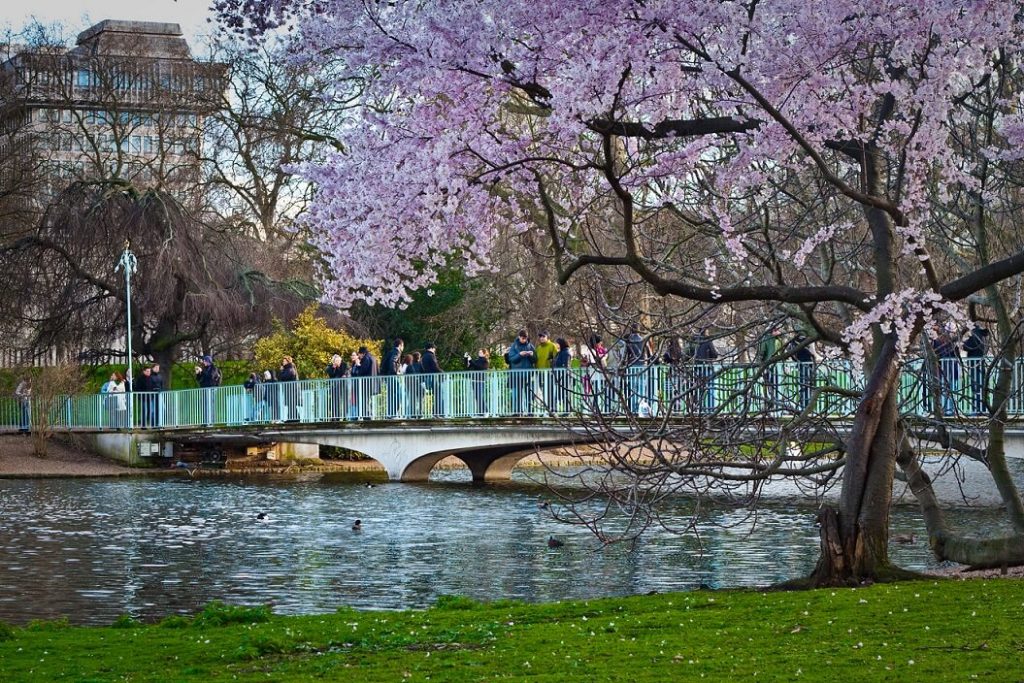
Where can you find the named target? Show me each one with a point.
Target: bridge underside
(409, 452)
(493, 463)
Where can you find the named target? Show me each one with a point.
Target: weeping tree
(194, 282)
(732, 156)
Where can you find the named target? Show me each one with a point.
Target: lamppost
(130, 264)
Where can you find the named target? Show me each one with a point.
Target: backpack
(215, 376)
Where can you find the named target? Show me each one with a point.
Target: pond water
(92, 550)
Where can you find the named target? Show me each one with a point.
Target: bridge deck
(781, 389)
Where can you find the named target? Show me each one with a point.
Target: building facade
(126, 102)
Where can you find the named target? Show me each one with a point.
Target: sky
(78, 15)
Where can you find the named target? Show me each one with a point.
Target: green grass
(927, 630)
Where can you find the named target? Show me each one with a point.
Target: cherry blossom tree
(599, 123)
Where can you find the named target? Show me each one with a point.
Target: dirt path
(62, 460)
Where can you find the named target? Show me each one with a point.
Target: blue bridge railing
(953, 387)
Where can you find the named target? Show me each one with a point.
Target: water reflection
(95, 549)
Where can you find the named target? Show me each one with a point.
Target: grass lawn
(915, 631)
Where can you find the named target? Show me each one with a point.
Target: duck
(261, 516)
(903, 538)
(554, 542)
(370, 486)
(544, 505)
(357, 525)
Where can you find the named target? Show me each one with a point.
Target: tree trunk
(855, 538)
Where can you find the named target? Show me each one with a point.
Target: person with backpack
(209, 378)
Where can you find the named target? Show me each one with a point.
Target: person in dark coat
(560, 383)
(208, 377)
(337, 371)
(156, 386)
(433, 381)
(368, 386)
(253, 392)
(521, 355)
(976, 346)
(390, 367)
(948, 372)
(141, 385)
(804, 355)
(704, 354)
(634, 359)
(481, 363)
(270, 392)
(414, 385)
(288, 377)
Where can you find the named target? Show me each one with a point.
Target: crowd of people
(629, 375)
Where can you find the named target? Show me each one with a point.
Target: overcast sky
(77, 15)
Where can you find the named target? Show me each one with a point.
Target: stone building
(126, 102)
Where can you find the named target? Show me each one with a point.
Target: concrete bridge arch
(410, 452)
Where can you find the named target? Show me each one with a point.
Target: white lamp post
(130, 265)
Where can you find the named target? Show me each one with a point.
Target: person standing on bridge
(976, 346)
(479, 365)
(336, 371)
(521, 356)
(434, 377)
(252, 395)
(768, 348)
(546, 350)
(142, 386)
(560, 382)
(209, 378)
(156, 387)
(288, 376)
(704, 355)
(270, 396)
(393, 383)
(367, 386)
(414, 385)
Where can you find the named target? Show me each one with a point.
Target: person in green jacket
(546, 352)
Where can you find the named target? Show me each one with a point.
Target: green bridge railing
(953, 387)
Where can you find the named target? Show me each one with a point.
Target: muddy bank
(62, 460)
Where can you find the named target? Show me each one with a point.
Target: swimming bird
(261, 516)
(554, 542)
(903, 538)
(357, 525)
(544, 505)
(369, 485)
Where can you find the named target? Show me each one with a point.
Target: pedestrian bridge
(489, 419)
